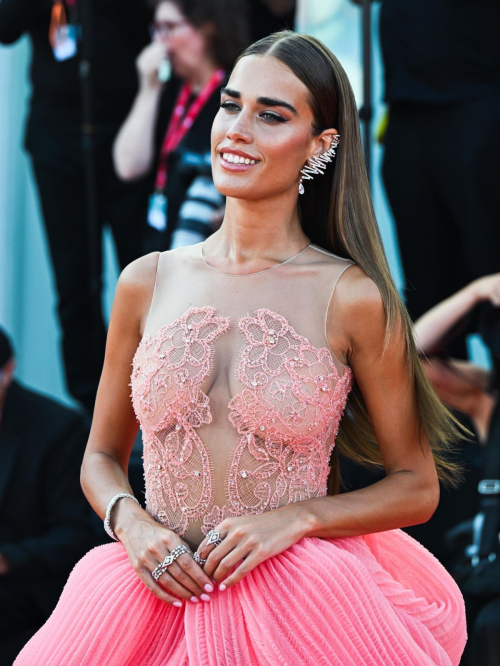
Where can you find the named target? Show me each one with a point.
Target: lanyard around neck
(182, 121)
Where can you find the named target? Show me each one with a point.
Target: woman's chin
(230, 187)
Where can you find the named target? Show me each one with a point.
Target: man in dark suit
(442, 87)
(45, 524)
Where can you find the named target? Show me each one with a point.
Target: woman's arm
(133, 149)
(409, 494)
(431, 327)
(114, 427)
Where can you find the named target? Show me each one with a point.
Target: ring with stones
(169, 559)
(198, 559)
(213, 537)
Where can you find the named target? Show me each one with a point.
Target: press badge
(65, 42)
(157, 213)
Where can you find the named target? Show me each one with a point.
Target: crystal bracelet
(112, 502)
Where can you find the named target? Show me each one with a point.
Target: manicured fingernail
(178, 603)
(195, 599)
(222, 587)
(209, 588)
(205, 597)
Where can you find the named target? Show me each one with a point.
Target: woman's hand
(147, 544)
(249, 540)
(147, 63)
(487, 288)
(432, 326)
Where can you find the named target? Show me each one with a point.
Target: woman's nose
(239, 131)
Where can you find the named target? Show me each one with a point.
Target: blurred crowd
(118, 135)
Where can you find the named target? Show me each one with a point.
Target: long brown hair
(336, 213)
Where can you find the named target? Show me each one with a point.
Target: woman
(168, 127)
(462, 385)
(244, 354)
(473, 391)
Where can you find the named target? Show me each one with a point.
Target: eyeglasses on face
(164, 28)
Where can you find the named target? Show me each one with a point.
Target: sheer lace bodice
(238, 395)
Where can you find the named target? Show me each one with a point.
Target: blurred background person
(472, 391)
(442, 84)
(45, 520)
(462, 385)
(114, 32)
(167, 131)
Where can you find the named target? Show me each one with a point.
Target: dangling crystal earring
(317, 165)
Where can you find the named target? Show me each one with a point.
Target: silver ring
(198, 559)
(169, 559)
(214, 537)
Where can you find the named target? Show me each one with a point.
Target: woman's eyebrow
(266, 101)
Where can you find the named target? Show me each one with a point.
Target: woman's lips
(238, 165)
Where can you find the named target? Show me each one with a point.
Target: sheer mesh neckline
(281, 263)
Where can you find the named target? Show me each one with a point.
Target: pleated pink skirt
(379, 600)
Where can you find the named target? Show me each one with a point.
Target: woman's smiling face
(261, 136)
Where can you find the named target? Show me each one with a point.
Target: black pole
(366, 110)
(88, 152)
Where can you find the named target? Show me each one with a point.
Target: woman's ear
(324, 142)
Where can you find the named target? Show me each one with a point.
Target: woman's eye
(268, 116)
(229, 106)
(273, 117)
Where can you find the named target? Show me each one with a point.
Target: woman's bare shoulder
(141, 273)
(356, 316)
(135, 287)
(357, 295)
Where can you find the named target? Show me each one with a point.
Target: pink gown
(239, 398)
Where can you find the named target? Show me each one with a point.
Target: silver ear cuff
(317, 165)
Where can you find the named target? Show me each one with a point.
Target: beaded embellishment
(167, 399)
(286, 417)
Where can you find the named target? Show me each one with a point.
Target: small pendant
(301, 188)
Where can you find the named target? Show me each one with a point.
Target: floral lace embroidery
(167, 372)
(287, 417)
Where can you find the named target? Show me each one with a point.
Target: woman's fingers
(204, 549)
(227, 563)
(246, 565)
(148, 62)
(213, 554)
(185, 578)
(192, 575)
(157, 589)
(173, 585)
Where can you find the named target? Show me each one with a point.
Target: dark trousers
(439, 171)
(58, 163)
